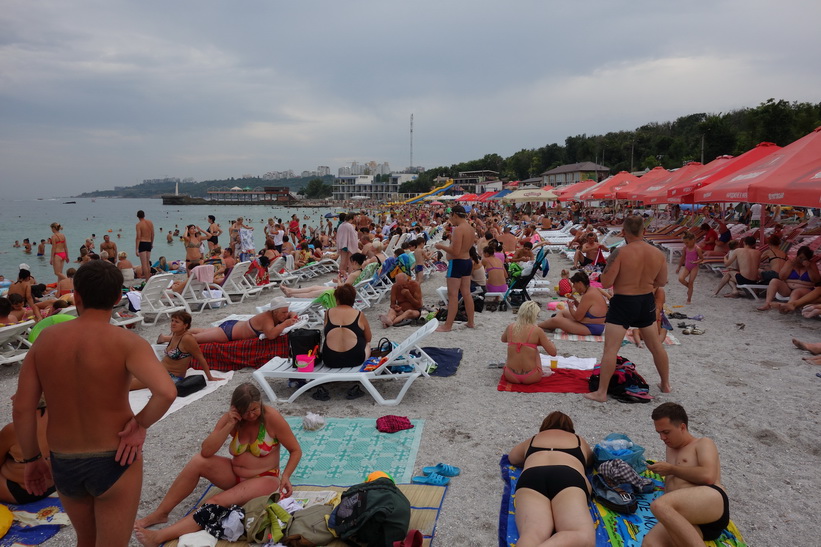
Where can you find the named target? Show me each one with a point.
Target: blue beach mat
(346, 450)
(35, 522)
(611, 528)
(447, 360)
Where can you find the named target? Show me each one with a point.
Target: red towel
(239, 354)
(392, 423)
(563, 380)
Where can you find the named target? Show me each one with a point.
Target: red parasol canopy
(568, 193)
(794, 181)
(717, 169)
(656, 194)
(607, 188)
(486, 195)
(632, 191)
(466, 197)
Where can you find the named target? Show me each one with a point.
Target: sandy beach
(742, 382)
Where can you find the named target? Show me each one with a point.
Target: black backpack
(302, 341)
(616, 497)
(374, 513)
(626, 384)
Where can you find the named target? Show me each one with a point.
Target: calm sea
(117, 217)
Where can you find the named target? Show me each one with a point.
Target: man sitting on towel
(694, 507)
(406, 302)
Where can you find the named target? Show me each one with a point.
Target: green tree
(316, 189)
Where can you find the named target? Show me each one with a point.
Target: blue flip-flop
(434, 479)
(442, 469)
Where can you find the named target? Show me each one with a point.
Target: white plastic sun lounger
(281, 368)
(13, 342)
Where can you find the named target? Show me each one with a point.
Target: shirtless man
(460, 267)
(634, 271)
(588, 251)
(406, 301)
(508, 240)
(95, 439)
(145, 241)
(694, 507)
(747, 260)
(110, 247)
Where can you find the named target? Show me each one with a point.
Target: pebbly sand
(746, 388)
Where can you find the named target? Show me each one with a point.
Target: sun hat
(25, 266)
(279, 302)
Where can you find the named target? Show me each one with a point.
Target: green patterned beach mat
(346, 450)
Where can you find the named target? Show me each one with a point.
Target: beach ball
(378, 475)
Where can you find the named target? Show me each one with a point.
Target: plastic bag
(619, 446)
(313, 422)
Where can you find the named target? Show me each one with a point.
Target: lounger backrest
(408, 343)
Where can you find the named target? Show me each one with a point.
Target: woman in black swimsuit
(214, 232)
(552, 493)
(347, 332)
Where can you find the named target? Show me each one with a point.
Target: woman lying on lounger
(180, 350)
(523, 338)
(356, 261)
(552, 493)
(271, 323)
(257, 432)
(582, 318)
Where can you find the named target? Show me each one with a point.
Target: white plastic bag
(313, 422)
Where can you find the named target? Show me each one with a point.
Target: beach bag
(618, 446)
(301, 341)
(383, 348)
(373, 513)
(308, 527)
(626, 384)
(618, 498)
(190, 384)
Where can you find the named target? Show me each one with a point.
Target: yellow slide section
(433, 192)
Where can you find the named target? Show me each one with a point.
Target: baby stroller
(517, 291)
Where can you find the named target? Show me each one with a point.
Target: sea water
(117, 218)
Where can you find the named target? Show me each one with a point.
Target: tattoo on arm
(612, 258)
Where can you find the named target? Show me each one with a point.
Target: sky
(102, 93)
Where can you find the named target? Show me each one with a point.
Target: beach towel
(239, 354)
(560, 381)
(35, 523)
(612, 528)
(447, 360)
(139, 397)
(426, 505)
(246, 240)
(203, 274)
(571, 362)
(561, 335)
(346, 450)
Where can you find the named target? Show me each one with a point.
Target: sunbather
(271, 323)
(796, 279)
(347, 332)
(12, 466)
(552, 493)
(181, 349)
(583, 317)
(523, 338)
(350, 278)
(257, 432)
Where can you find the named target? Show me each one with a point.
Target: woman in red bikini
(59, 250)
(257, 432)
(523, 338)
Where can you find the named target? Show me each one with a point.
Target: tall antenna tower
(411, 143)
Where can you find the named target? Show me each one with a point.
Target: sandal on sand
(321, 394)
(696, 330)
(442, 469)
(434, 479)
(354, 393)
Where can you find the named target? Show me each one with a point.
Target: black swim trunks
(460, 267)
(741, 280)
(632, 310)
(144, 247)
(82, 475)
(214, 239)
(21, 495)
(713, 530)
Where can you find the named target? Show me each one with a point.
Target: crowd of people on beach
(95, 463)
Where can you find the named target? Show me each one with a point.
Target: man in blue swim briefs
(634, 271)
(94, 437)
(694, 507)
(460, 266)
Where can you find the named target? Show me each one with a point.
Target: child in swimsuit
(691, 257)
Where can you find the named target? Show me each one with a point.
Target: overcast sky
(95, 94)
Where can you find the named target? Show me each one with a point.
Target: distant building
(349, 186)
(266, 194)
(575, 172)
(475, 182)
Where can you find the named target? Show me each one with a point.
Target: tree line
(669, 144)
